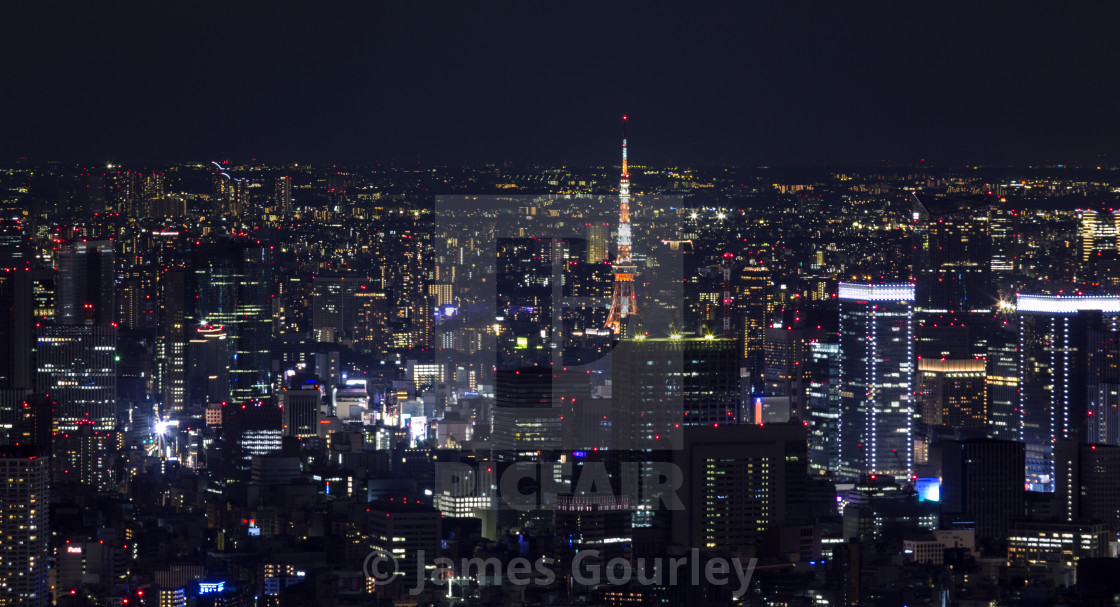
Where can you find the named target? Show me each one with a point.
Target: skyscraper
(1002, 382)
(953, 250)
(598, 243)
(24, 537)
(526, 421)
(524, 290)
(233, 282)
(983, 481)
(1103, 346)
(788, 343)
(739, 482)
(660, 386)
(1053, 373)
(823, 403)
(665, 383)
(16, 329)
(85, 283)
(952, 393)
(753, 307)
(876, 379)
(172, 342)
(282, 195)
(1003, 227)
(1097, 230)
(403, 530)
(1087, 485)
(77, 368)
(207, 369)
(301, 402)
(332, 305)
(254, 428)
(83, 457)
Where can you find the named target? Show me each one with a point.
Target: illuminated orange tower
(624, 302)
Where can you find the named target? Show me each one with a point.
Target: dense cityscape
(530, 304)
(233, 383)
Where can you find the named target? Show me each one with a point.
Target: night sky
(748, 83)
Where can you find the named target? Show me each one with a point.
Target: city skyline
(634, 305)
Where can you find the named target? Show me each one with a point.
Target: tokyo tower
(624, 302)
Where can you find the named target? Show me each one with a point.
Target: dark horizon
(734, 85)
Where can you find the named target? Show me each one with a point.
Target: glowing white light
(1071, 304)
(161, 428)
(880, 292)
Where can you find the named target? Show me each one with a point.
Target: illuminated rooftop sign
(1066, 304)
(880, 292)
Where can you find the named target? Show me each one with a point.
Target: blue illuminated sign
(929, 489)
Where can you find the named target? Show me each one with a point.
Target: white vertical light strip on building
(872, 388)
(910, 365)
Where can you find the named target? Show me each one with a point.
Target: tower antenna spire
(624, 302)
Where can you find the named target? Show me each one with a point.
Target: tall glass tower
(233, 284)
(876, 379)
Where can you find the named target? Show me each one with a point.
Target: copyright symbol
(381, 567)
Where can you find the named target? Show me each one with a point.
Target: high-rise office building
(254, 427)
(592, 519)
(24, 536)
(233, 283)
(16, 329)
(586, 286)
(1087, 482)
(333, 308)
(403, 529)
(171, 346)
(954, 301)
(753, 300)
(598, 243)
(1097, 231)
(876, 379)
(302, 399)
(660, 385)
(77, 368)
(525, 418)
(1002, 379)
(1103, 390)
(207, 372)
(953, 250)
(1053, 373)
(1004, 226)
(983, 483)
(282, 195)
(86, 279)
(739, 481)
(524, 290)
(788, 342)
(952, 393)
(823, 403)
(84, 456)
